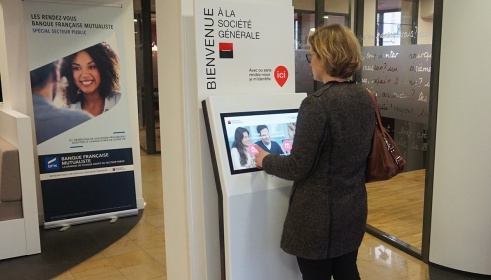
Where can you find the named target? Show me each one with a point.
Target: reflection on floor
(141, 254)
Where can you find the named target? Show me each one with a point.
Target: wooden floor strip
(396, 206)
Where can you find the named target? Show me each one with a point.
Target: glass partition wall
(397, 67)
(307, 14)
(396, 37)
(147, 82)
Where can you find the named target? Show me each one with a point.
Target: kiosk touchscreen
(272, 130)
(252, 204)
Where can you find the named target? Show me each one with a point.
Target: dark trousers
(341, 268)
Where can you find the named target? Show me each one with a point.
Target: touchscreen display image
(273, 131)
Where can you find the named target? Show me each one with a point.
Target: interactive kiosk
(252, 204)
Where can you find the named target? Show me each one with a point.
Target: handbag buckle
(398, 159)
(389, 146)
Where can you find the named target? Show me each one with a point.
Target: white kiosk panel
(253, 204)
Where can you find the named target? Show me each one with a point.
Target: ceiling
(137, 5)
(109, 2)
(384, 5)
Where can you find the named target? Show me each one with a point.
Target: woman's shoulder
(234, 151)
(112, 100)
(334, 91)
(115, 96)
(339, 87)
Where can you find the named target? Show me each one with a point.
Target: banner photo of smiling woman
(93, 79)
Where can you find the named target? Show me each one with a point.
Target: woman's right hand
(260, 156)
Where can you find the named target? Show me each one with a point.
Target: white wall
(461, 223)
(14, 63)
(14, 67)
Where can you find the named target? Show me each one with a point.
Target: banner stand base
(65, 227)
(113, 217)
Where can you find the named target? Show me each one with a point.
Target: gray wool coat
(328, 203)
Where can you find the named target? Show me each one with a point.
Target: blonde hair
(338, 49)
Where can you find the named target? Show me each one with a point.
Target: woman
(93, 79)
(327, 213)
(241, 158)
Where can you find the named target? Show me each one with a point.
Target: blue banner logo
(52, 163)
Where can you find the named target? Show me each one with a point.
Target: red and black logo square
(226, 50)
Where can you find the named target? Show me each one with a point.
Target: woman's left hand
(259, 157)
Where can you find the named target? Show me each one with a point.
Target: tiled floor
(141, 253)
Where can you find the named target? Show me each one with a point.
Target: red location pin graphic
(281, 75)
(287, 145)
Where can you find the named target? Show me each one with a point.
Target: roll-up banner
(80, 104)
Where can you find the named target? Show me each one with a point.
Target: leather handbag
(385, 160)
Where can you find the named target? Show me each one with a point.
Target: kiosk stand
(253, 204)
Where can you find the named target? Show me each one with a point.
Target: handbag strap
(399, 159)
(379, 120)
